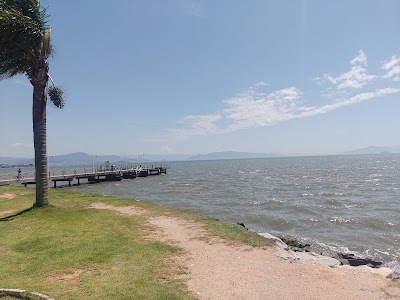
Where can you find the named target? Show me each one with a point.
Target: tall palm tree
(24, 49)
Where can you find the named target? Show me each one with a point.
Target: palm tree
(24, 49)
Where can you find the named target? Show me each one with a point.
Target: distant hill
(167, 157)
(232, 155)
(374, 150)
(16, 160)
(82, 158)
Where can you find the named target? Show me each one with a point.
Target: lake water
(344, 203)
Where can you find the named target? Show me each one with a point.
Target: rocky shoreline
(344, 258)
(295, 249)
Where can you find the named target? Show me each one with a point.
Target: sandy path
(7, 196)
(5, 213)
(218, 271)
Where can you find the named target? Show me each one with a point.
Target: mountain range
(374, 150)
(81, 158)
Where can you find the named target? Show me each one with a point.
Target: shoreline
(195, 256)
(299, 248)
(294, 250)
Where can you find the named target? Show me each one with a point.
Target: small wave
(307, 194)
(375, 223)
(333, 203)
(332, 194)
(376, 175)
(355, 205)
(391, 224)
(395, 267)
(340, 220)
(300, 209)
(275, 201)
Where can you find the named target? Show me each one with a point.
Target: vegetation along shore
(96, 247)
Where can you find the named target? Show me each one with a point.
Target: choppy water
(348, 203)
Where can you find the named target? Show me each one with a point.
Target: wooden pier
(91, 176)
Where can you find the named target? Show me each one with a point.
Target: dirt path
(5, 213)
(218, 271)
(7, 196)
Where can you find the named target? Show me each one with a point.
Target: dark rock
(344, 258)
(242, 224)
(354, 261)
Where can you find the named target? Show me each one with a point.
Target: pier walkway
(89, 175)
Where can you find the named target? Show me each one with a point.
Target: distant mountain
(77, 158)
(167, 157)
(82, 158)
(16, 160)
(232, 155)
(374, 150)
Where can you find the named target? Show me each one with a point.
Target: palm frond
(56, 95)
(23, 26)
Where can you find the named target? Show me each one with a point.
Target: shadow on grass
(9, 218)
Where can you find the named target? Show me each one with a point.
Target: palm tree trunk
(40, 142)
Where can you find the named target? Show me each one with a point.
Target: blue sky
(192, 76)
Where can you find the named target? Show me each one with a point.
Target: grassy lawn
(69, 251)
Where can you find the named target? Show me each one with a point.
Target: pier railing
(73, 172)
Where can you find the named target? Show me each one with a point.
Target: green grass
(68, 251)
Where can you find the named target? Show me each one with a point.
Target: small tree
(24, 49)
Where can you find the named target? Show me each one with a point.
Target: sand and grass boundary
(96, 247)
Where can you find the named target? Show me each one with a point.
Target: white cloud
(252, 108)
(22, 145)
(349, 101)
(261, 83)
(199, 125)
(393, 68)
(356, 78)
(190, 7)
(360, 59)
(166, 149)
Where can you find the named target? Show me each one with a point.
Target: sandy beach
(217, 270)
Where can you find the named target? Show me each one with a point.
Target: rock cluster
(295, 251)
(343, 258)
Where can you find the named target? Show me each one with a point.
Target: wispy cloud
(254, 108)
(356, 78)
(22, 145)
(22, 82)
(190, 7)
(392, 66)
(199, 125)
(349, 101)
(166, 149)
